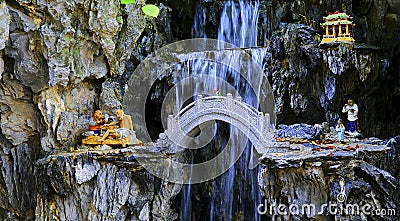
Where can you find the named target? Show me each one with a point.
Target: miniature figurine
(96, 121)
(340, 130)
(352, 115)
(125, 129)
(217, 93)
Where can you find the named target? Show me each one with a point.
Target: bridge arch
(254, 124)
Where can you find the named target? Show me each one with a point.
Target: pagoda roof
(344, 22)
(337, 16)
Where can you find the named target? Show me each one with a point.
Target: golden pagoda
(337, 28)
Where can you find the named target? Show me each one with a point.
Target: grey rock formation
(51, 54)
(25, 47)
(111, 97)
(18, 194)
(4, 30)
(161, 209)
(5, 23)
(66, 112)
(314, 179)
(1, 64)
(85, 171)
(83, 187)
(18, 114)
(302, 131)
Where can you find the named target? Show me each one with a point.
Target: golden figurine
(118, 132)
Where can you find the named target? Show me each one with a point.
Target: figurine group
(351, 109)
(118, 131)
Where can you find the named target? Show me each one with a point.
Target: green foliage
(127, 2)
(151, 10)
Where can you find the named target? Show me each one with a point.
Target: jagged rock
(374, 141)
(106, 20)
(162, 202)
(392, 162)
(75, 43)
(66, 113)
(85, 169)
(295, 57)
(18, 114)
(110, 97)
(4, 31)
(4, 25)
(70, 127)
(302, 131)
(106, 14)
(25, 47)
(145, 213)
(343, 58)
(1, 65)
(70, 54)
(107, 192)
(17, 180)
(165, 144)
(308, 184)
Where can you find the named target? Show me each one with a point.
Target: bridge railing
(214, 103)
(240, 114)
(207, 101)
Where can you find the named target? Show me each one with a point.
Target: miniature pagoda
(337, 28)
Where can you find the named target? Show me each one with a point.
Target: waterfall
(235, 194)
(199, 22)
(239, 23)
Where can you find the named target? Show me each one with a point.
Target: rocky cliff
(298, 180)
(61, 60)
(106, 185)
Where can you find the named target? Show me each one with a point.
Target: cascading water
(234, 195)
(239, 23)
(199, 21)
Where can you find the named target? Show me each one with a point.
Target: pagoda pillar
(334, 31)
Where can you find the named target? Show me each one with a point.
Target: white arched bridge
(253, 123)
